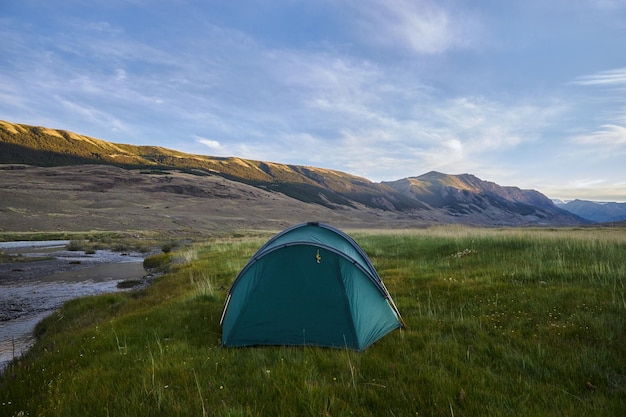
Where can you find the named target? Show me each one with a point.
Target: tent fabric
(310, 285)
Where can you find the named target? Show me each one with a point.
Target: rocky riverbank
(47, 276)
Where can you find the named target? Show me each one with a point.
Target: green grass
(499, 323)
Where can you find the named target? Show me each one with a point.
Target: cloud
(422, 26)
(609, 78)
(587, 182)
(210, 143)
(607, 140)
(593, 192)
(341, 112)
(595, 187)
(609, 5)
(455, 135)
(94, 115)
(120, 74)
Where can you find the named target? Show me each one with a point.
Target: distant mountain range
(598, 212)
(428, 198)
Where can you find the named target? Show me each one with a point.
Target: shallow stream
(30, 291)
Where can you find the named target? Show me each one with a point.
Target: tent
(310, 285)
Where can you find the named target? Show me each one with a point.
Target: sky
(521, 93)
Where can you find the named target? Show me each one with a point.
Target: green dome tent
(309, 285)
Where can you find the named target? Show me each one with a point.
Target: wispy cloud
(94, 115)
(609, 5)
(609, 78)
(421, 26)
(606, 141)
(587, 182)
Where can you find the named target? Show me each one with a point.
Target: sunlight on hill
(12, 128)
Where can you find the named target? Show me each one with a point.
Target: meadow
(500, 322)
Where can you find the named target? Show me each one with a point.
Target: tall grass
(499, 323)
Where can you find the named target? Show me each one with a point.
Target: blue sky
(524, 93)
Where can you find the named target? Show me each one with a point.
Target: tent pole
(393, 305)
(225, 307)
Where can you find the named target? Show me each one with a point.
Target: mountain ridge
(431, 197)
(598, 212)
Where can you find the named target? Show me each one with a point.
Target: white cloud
(375, 143)
(94, 115)
(606, 140)
(210, 143)
(373, 121)
(609, 78)
(120, 74)
(422, 26)
(586, 182)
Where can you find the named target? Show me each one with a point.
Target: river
(30, 291)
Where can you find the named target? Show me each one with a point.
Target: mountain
(594, 211)
(477, 201)
(432, 197)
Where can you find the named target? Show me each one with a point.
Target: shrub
(168, 246)
(159, 261)
(76, 245)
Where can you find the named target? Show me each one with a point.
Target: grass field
(515, 322)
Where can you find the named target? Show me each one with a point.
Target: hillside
(23, 144)
(286, 192)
